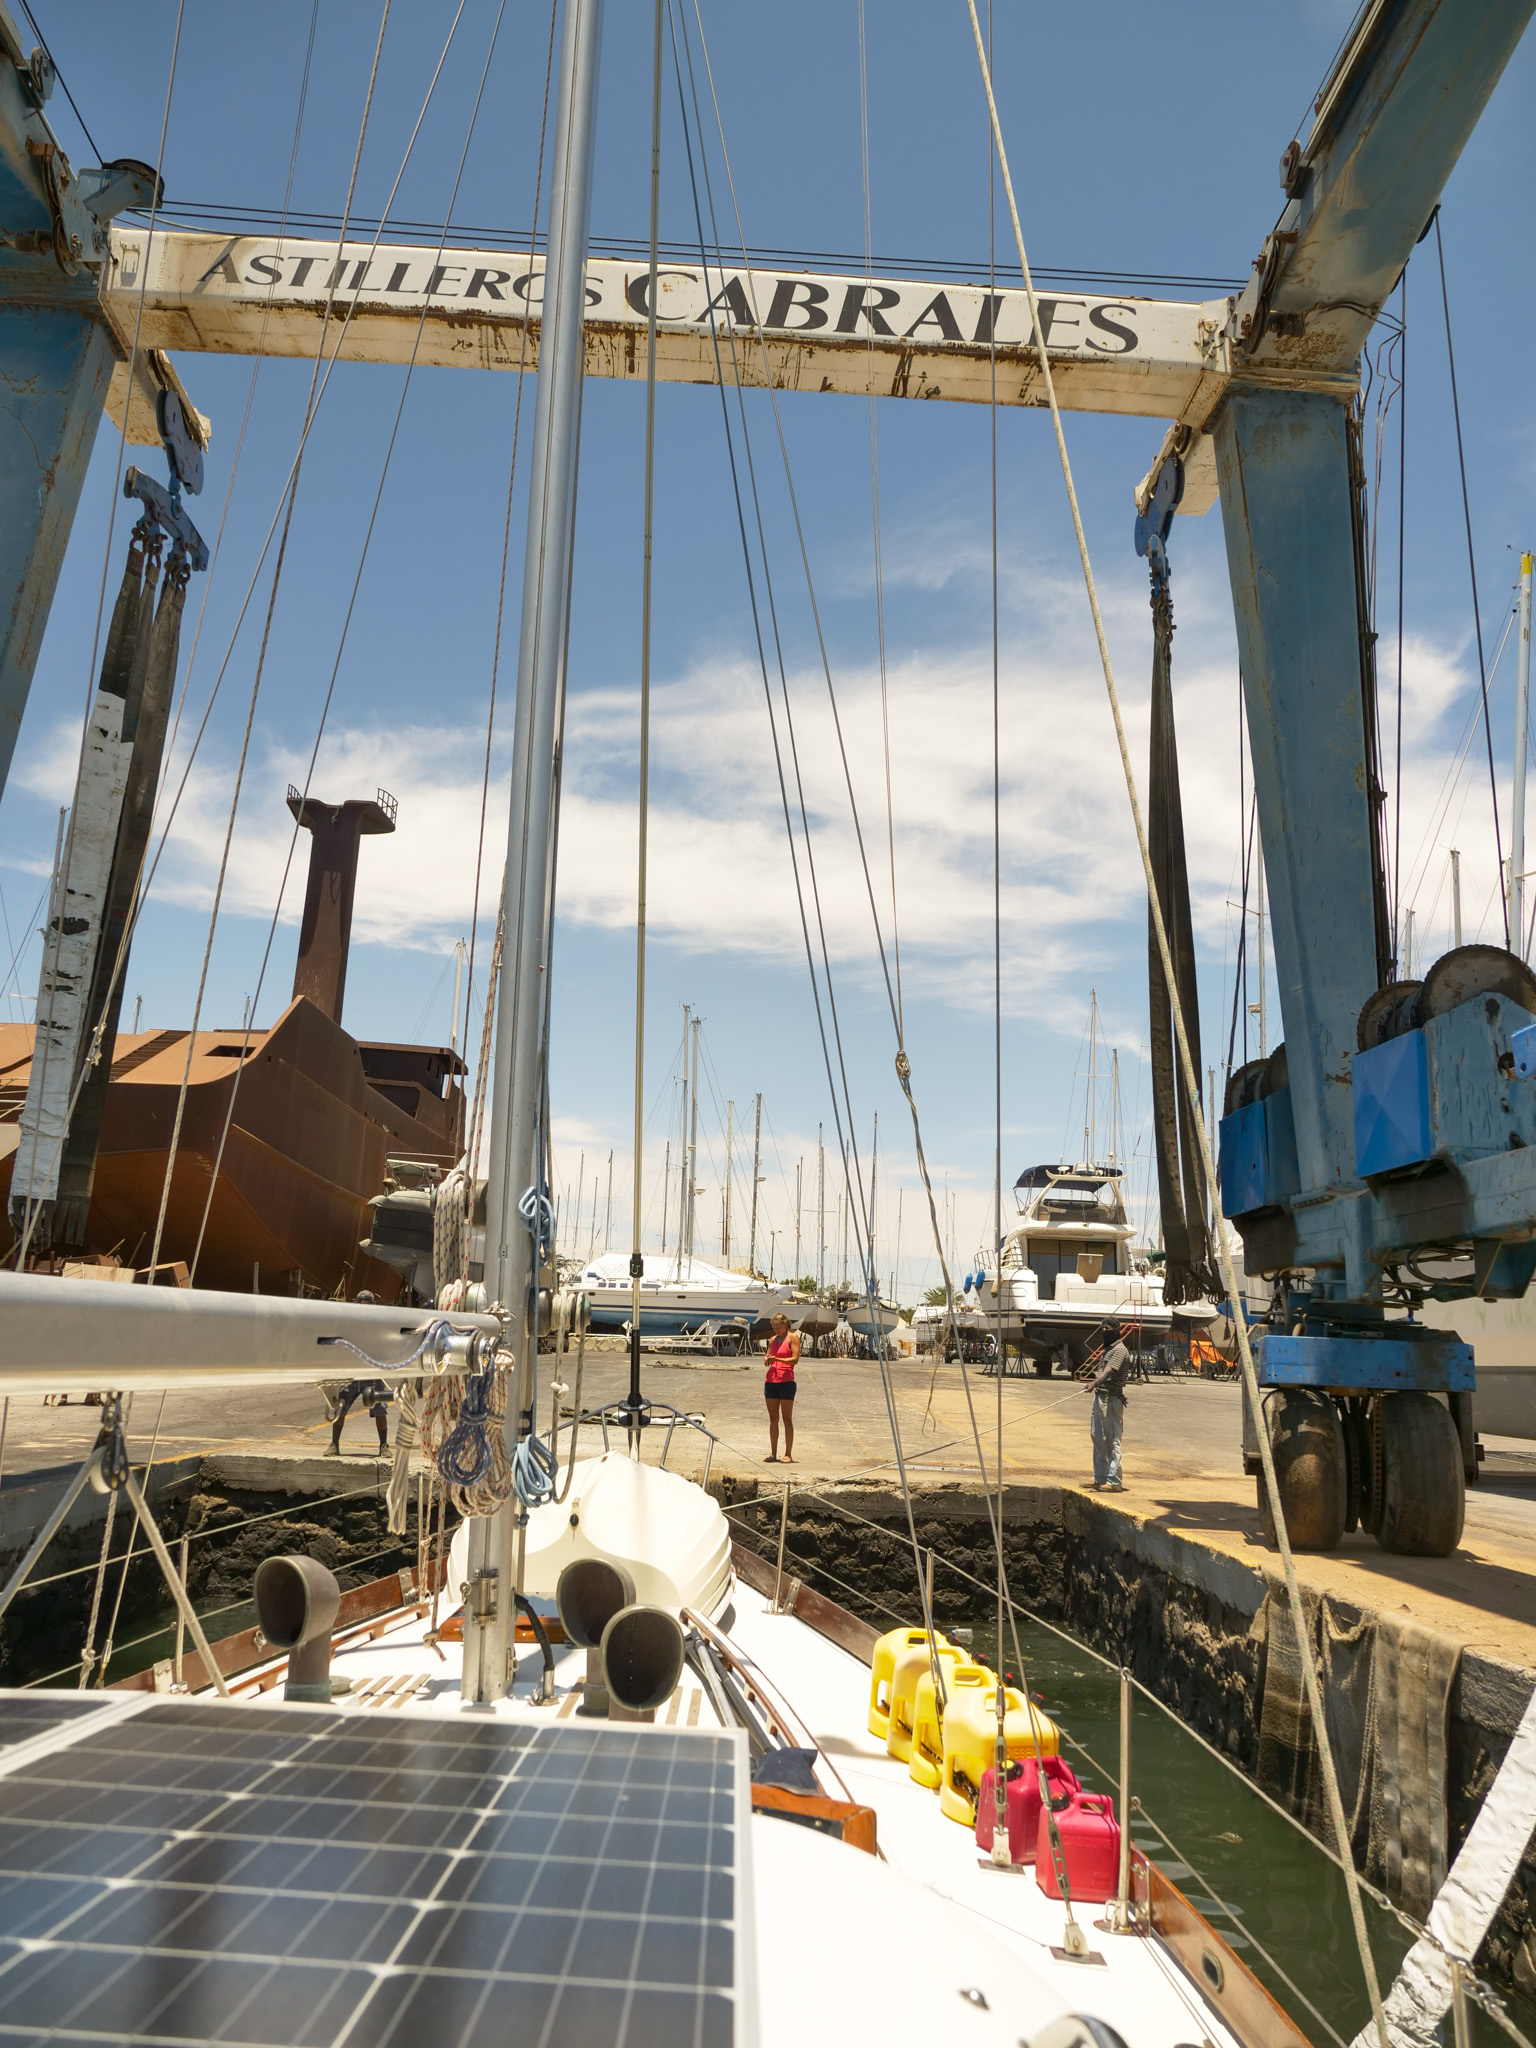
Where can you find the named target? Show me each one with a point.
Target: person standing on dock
(1108, 1419)
(374, 1396)
(779, 1388)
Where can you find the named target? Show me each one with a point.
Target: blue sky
(1142, 140)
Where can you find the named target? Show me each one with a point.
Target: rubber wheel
(1042, 1368)
(1423, 1495)
(1308, 1447)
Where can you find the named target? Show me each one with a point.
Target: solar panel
(24, 1715)
(301, 1878)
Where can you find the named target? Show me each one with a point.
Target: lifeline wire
(1016, 1608)
(1271, 1482)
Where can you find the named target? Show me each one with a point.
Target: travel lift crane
(1388, 1137)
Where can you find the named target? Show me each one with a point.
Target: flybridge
(903, 338)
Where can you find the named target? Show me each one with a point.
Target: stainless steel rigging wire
(851, 1179)
(1192, 1082)
(1477, 617)
(310, 403)
(506, 543)
(350, 610)
(642, 829)
(20, 1255)
(34, 1210)
(874, 496)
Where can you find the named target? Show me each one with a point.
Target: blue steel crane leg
(1284, 469)
(55, 364)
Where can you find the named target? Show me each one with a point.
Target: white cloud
(721, 880)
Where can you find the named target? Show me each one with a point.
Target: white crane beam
(895, 337)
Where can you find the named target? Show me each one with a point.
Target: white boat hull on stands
(676, 1296)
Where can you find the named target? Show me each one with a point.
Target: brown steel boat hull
(305, 1138)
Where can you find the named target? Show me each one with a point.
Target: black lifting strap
(1181, 1187)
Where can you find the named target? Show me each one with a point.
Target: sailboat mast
(874, 1162)
(725, 1227)
(757, 1174)
(683, 1147)
(821, 1210)
(1093, 1076)
(1522, 741)
(666, 1183)
(693, 1138)
(517, 1139)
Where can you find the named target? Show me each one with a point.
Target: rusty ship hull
(308, 1118)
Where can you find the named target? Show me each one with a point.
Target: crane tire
(1423, 1493)
(1308, 1446)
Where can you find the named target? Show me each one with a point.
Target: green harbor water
(1268, 1889)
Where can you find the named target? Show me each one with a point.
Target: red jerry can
(1023, 1803)
(1090, 1841)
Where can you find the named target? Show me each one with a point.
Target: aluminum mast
(517, 1134)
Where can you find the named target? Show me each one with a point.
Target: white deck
(911, 1936)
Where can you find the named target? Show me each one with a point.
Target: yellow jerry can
(970, 1738)
(927, 1762)
(912, 1664)
(882, 1666)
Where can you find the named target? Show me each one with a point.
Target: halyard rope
(1192, 1083)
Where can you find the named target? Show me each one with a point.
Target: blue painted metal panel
(1284, 469)
(1409, 96)
(1256, 1160)
(1523, 1045)
(1475, 1103)
(1429, 1364)
(1280, 1132)
(1242, 1162)
(1392, 1121)
(55, 365)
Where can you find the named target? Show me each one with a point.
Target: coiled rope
(538, 1214)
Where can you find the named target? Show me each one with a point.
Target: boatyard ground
(1183, 1475)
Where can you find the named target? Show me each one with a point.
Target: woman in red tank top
(779, 1388)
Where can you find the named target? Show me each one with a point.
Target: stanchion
(1461, 2005)
(778, 1583)
(1123, 1918)
(178, 1684)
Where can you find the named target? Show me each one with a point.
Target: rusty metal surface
(306, 1150)
(325, 931)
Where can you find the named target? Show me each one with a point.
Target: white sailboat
(677, 1294)
(431, 1837)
